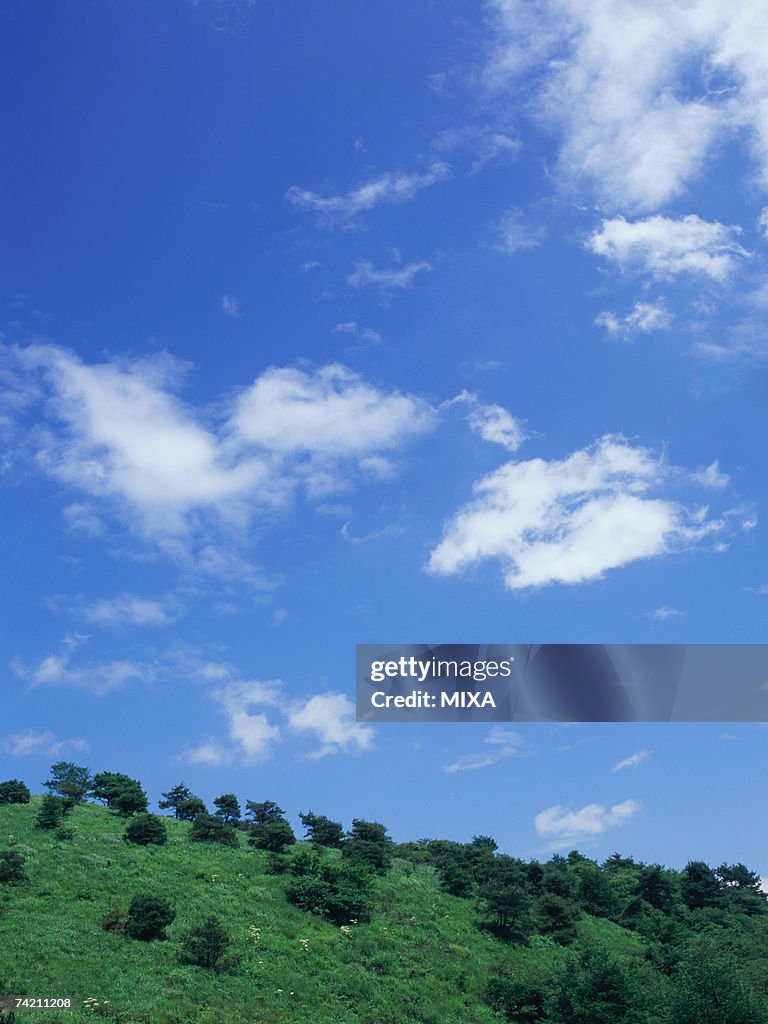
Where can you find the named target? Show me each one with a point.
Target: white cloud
(365, 335)
(663, 613)
(485, 143)
(35, 743)
(98, 679)
(130, 609)
(569, 520)
(663, 247)
(639, 93)
(119, 432)
(331, 716)
(388, 189)
(632, 761)
(365, 275)
(565, 827)
(515, 234)
(251, 734)
(230, 306)
(493, 423)
(503, 743)
(643, 318)
(762, 222)
(711, 476)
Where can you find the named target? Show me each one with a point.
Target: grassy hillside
(421, 958)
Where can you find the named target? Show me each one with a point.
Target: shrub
(273, 836)
(206, 945)
(115, 921)
(65, 834)
(148, 917)
(51, 812)
(146, 830)
(12, 791)
(12, 867)
(208, 829)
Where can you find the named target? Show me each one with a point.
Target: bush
(51, 813)
(206, 945)
(338, 892)
(115, 921)
(273, 836)
(12, 791)
(65, 835)
(146, 830)
(208, 829)
(148, 917)
(12, 867)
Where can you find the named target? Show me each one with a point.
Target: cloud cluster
(664, 247)
(639, 94)
(252, 734)
(365, 275)
(569, 520)
(564, 827)
(643, 318)
(120, 432)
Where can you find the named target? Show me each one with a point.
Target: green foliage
(206, 945)
(146, 830)
(12, 867)
(264, 812)
(51, 812)
(506, 898)
(69, 781)
(700, 886)
(174, 798)
(337, 891)
(227, 808)
(12, 791)
(120, 792)
(322, 830)
(207, 828)
(368, 844)
(599, 988)
(518, 1000)
(148, 917)
(273, 836)
(556, 916)
(709, 989)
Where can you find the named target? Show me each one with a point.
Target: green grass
(420, 959)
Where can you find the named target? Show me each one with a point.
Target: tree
(207, 828)
(264, 812)
(505, 895)
(339, 892)
(322, 831)
(69, 781)
(12, 791)
(148, 917)
(186, 806)
(228, 809)
(700, 885)
(146, 830)
(51, 812)
(556, 916)
(598, 988)
(273, 836)
(120, 792)
(368, 843)
(206, 945)
(709, 989)
(12, 867)
(519, 1000)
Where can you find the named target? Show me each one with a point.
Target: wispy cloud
(502, 743)
(570, 520)
(366, 336)
(388, 189)
(515, 234)
(98, 678)
(632, 761)
(33, 742)
(643, 318)
(230, 306)
(664, 612)
(331, 718)
(365, 275)
(131, 610)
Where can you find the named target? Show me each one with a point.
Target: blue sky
(332, 324)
